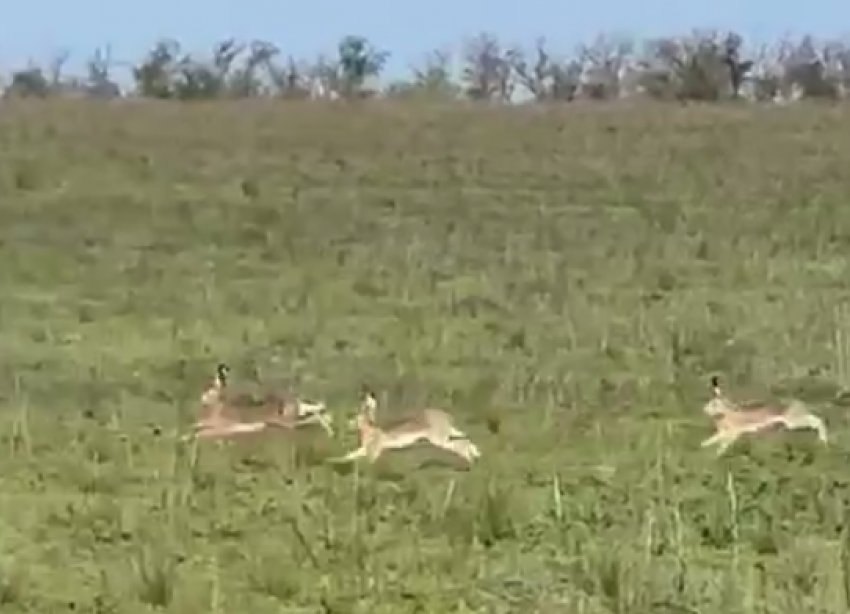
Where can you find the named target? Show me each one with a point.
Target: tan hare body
(732, 421)
(225, 416)
(434, 426)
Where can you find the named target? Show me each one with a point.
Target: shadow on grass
(442, 463)
(379, 472)
(382, 472)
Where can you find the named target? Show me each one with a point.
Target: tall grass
(564, 282)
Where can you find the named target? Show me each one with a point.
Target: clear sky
(39, 29)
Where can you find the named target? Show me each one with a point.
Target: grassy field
(564, 281)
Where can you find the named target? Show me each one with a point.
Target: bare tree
(705, 66)
(433, 80)
(291, 80)
(250, 78)
(352, 74)
(837, 63)
(232, 70)
(359, 65)
(739, 68)
(548, 79)
(764, 82)
(98, 82)
(602, 64)
(204, 79)
(38, 82)
(29, 82)
(807, 72)
(324, 78)
(488, 70)
(56, 72)
(155, 75)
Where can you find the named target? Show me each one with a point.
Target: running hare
(434, 426)
(731, 421)
(224, 415)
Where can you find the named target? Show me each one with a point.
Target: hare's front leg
(712, 440)
(351, 456)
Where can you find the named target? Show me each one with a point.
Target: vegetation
(565, 280)
(701, 66)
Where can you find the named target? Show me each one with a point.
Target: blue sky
(39, 29)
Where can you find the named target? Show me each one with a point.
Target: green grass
(564, 282)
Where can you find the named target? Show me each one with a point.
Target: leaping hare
(226, 416)
(731, 421)
(434, 426)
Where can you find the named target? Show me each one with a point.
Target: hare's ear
(715, 387)
(221, 373)
(369, 402)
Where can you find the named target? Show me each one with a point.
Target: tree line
(707, 66)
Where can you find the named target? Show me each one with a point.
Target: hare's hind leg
(820, 426)
(808, 421)
(462, 441)
(325, 421)
(465, 448)
(474, 451)
(461, 447)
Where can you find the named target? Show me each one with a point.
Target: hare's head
(221, 373)
(718, 404)
(368, 407)
(212, 394)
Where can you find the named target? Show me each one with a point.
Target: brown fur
(225, 416)
(434, 426)
(732, 421)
